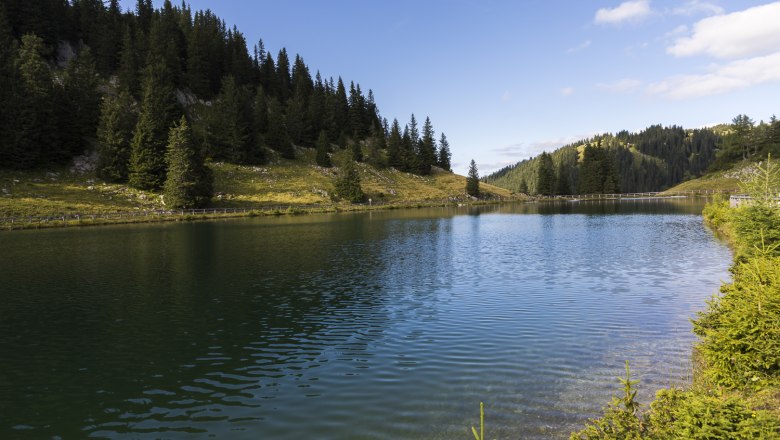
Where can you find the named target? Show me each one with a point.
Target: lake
(381, 325)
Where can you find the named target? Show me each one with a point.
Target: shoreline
(204, 214)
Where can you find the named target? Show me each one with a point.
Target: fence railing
(703, 192)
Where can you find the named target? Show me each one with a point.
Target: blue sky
(507, 79)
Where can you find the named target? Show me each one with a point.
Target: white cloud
(567, 91)
(720, 79)
(582, 46)
(626, 85)
(627, 11)
(695, 7)
(754, 31)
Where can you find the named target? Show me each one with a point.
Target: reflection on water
(374, 325)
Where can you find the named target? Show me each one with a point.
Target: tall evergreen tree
(78, 104)
(159, 109)
(472, 180)
(114, 133)
(259, 125)
(427, 149)
(323, 147)
(276, 137)
(445, 157)
(348, 184)
(283, 80)
(394, 146)
(562, 186)
(231, 117)
(188, 183)
(35, 139)
(357, 151)
(545, 177)
(128, 63)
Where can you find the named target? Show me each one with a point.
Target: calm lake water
(384, 325)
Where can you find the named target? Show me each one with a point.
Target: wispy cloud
(567, 91)
(697, 7)
(754, 31)
(632, 10)
(582, 46)
(626, 85)
(506, 96)
(721, 78)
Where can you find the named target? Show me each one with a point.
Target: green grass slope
(281, 182)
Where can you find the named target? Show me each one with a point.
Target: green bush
(740, 330)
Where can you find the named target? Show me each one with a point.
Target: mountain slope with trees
(655, 159)
(83, 75)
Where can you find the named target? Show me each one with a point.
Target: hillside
(67, 190)
(651, 160)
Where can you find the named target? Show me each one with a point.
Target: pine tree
(323, 147)
(523, 188)
(35, 141)
(445, 157)
(78, 104)
(283, 76)
(188, 183)
(427, 149)
(128, 63)
(472, 180)
(276, 137)
(348, 184)
(357, 151)
(394, 146)
(159, 109)
(114, 133)
(260, 126)
(562, 181)
(231, 114)
(545, 176)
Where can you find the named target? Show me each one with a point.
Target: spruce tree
(348, 184)
(323, 147)
(562, 181)
(35, 141)
(445, 156)
(231, 114)
(394, 146)
(427, 149)
(188, 183)
(78, 104)
(114, 133)
(523, 188)
(472, 180)
(159, 109)
(276, 137)
(259, 126)
(545, 175)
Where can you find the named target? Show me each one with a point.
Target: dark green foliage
(523, 188)
(597, 172)
(196, 50)
(114, 133)
(427, 148)
(78, 105)
(276, 137)
(394, 147)
(230, 135)
(445, 156)
(159, 109)
(545, 176)
(189, 182)
(348, 184)
(562, 186)
(323, 148)
(34, 138)
(472, 180)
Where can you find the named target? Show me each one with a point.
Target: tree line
(84, 73)
(651, 160)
